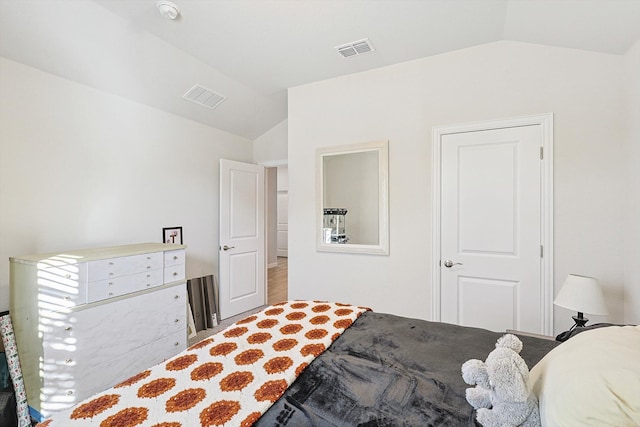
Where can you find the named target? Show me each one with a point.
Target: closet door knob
(448, 263)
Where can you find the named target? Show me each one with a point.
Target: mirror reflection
(353, 198)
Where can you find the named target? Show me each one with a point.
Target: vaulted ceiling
(251, 51)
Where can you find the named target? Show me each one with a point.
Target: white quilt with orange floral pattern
(229, 379)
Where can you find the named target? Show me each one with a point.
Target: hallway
(277, 283)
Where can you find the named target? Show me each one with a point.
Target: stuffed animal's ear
(510, 379)
(509, 341)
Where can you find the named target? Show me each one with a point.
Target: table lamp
(582, 294)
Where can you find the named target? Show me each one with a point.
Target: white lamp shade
(581, 294)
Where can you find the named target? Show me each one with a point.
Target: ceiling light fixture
(168, 9)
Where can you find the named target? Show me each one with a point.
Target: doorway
(277, 180)
(492, 253)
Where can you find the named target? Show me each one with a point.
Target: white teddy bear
(502, 396)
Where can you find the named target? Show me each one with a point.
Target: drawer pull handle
(69, 392)
(110, 263)
(177, 320)
(148, 266)
(68, 328)
(68, 276)
(148, 285)
(110, 294)
(175, 257)
(110, 274)
(176, 297)
(67, 297)
(110, 283)
(176, 343)
(67, 361)
(175, 273)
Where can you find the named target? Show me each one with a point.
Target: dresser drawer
(172, 258)
(75, 379)
(105, 331)
(122, 285)
(113, 267)
(174, 273)
(62, 286)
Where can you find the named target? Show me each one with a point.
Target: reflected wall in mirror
(353, 198)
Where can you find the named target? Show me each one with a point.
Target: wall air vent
(203, 96)
(355, 48)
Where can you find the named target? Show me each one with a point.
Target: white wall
(402, 103)
(632, 188)
(271, 147)
(82, 168)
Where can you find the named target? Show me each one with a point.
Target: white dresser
(86, 320)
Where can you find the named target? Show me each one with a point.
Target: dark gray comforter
(387, 370)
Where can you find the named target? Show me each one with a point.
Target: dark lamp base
(580, 322)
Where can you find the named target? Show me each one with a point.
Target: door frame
(546, 122)
(269, 164)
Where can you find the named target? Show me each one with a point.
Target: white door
(491, 220)
(242, 241)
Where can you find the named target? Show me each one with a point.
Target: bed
(312, 363)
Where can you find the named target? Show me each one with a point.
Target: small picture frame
(172, 235)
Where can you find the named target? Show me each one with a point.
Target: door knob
(226, 248)
(448, 263)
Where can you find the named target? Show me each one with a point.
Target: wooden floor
(277, 282)
(276, 292)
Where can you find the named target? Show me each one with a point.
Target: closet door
(491, 223)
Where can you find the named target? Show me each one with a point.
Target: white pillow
(593, 379)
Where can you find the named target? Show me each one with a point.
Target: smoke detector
(355, 48)
(168, 9)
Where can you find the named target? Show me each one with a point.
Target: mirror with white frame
(352, 198)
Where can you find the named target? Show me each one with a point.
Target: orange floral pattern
(296, 315)
(236, 381)
(231, 378)
(235, 332)
(206, 371)
(185, 400)
(259, 338)
(181, 362)
(134, 379)
(95, 406)
(156, 387)
(129, 417)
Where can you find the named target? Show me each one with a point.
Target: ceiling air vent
(203, 96)
(355, 48)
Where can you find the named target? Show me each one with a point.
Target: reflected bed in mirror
(352, 198)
